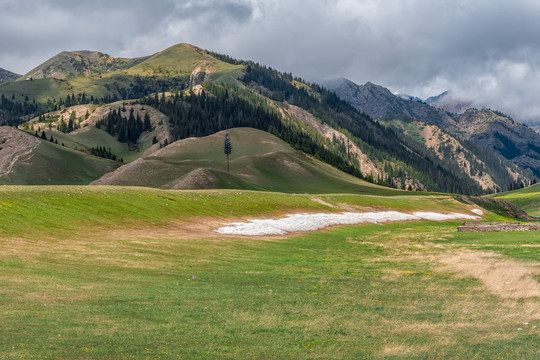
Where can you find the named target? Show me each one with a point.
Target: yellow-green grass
(45, 89)
(176, 61)
(73, 286)
(74, 208)
(55, 164)
(94, 137)
(527, 198)
(180, 60)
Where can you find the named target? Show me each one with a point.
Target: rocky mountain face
(379, 102)
(7, 76)
(511, 139)
(484, 128)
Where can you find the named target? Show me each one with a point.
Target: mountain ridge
(7, 76)
(200, 93)
(486, 128)
(68, 64)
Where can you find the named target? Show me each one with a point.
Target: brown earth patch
(366, 165)
(508, 279)
(14, 145)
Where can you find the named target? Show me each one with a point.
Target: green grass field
(131, 273)
(527, 198)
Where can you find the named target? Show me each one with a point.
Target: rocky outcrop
(478, 226)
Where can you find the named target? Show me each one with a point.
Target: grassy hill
(54, 164)
(69, 64)
(527, 198)
(180, 60)
(259, 161)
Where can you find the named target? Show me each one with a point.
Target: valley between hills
(115, 190)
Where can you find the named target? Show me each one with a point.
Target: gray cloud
(483, 50)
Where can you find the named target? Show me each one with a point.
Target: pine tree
(71, 122)
(227, 148)
(147, 124)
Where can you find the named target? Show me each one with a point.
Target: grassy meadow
(134, 273)
(527, 198)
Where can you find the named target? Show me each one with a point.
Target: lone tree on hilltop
(227, 148)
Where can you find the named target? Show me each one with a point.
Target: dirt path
(14, 144)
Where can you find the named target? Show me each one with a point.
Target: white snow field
(312, 222)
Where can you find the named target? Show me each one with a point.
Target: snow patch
(312, 222)
(477, 211)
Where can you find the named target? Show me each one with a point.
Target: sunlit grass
(80, 279)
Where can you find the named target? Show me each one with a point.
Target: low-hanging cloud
(482, 51)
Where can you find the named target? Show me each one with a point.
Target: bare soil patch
(366, 165)
(506, 278)
(14, 144)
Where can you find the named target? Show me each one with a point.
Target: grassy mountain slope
(239, 94)
(180, 60)
(69, 64)
(259, 161)
(50, 163)
(100, 75)
(88, 135)
(527, 198)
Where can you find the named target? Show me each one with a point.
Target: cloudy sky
(484, 50)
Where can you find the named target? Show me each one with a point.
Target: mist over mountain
(486, 128)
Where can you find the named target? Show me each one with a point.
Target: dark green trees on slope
(128, 129)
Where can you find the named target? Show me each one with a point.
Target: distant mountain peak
(378, 102)
(79, 63)
(448, 101)
(7, 76)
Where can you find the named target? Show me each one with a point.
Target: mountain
(483, 129)
(70, 64)
(129, 113)
(7, 76)
(448, 102)
(511, 139)
(379, 102)
(409, 97)
(184, 60)
(106, 79)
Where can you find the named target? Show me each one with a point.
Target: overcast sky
(484, 50)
